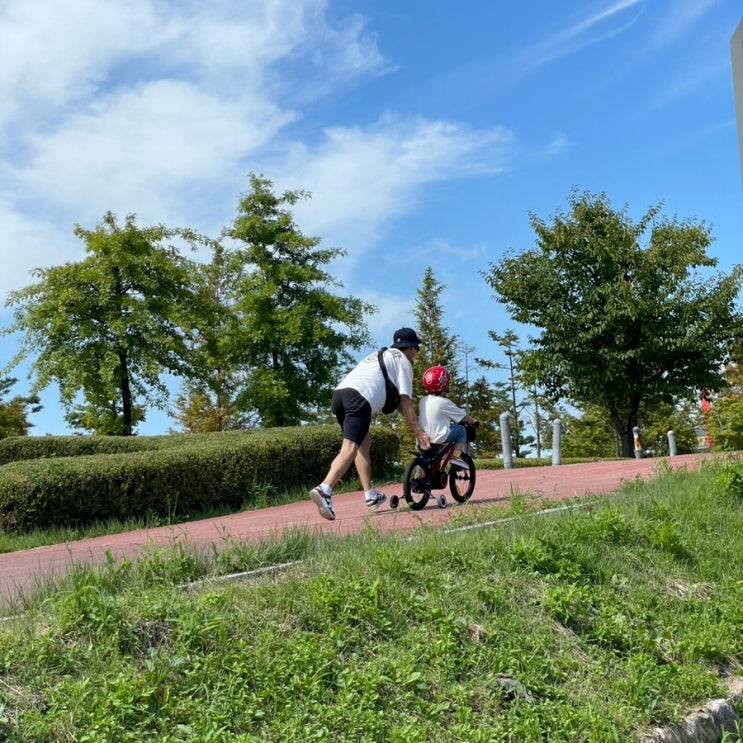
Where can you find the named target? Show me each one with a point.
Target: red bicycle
(427, 472)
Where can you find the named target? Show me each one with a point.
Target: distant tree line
(629, 323)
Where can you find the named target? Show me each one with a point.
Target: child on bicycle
(439, 417)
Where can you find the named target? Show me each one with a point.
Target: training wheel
(394, 501)
(442, 501)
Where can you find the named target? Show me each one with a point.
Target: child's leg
(457, 436)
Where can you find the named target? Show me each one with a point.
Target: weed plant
(584, 624)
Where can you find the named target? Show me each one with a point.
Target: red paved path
(21, 570)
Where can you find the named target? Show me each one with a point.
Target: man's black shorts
(353, 413)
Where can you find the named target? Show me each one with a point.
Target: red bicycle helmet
(436, 379)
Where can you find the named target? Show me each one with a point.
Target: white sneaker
(459, 463)
(376, 500)
(323, 503)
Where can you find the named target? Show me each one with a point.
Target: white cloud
(59, 52)
(597, 18)
(55, 53)
(153, 107)
(161, 108)
(361, 179)
(138, 150)
(28, 242)
(583, 33)
(679, 19)
(394, 311)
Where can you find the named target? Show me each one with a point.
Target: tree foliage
(487, 400)
(483, 400)
(622, 324)
(108, 327)
(588, 435)
(209, 401)
(684, 419)
(508, 341)
(724, 419)
(289, 333)
(440, 346)
(14, 412)
(725, 424)
(200, 412)
(538, 414)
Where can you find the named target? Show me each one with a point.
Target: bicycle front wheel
(462, 480)
(417, 484)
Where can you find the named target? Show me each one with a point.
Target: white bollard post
(672, 449)
(505, 435)
(556, 442)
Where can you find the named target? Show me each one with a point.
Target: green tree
(291, 334)
(539, 413)
(622, 324)
(14, 412)
(684, 419)
(725, 425)
(724, 421)
(487, 400)
(209, 400)
(508, 341)
(588, 435)
(440, 346)
(107, 328)
(200, 412)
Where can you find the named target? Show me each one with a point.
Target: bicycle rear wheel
(416, 486)
(462, 480)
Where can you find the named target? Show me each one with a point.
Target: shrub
(174, 476)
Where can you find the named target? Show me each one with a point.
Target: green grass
(587, 624)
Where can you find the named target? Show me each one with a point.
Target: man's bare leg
(363, 463)
(343, 460)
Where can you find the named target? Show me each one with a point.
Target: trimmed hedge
(167, 476)
(18, 448)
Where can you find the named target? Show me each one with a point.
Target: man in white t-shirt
(358, 396)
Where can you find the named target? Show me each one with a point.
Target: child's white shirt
(437, 413)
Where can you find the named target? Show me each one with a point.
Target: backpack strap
(380, 359)
(392, 394)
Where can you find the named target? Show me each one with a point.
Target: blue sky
(426, 132)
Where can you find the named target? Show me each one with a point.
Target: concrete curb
(706, 725)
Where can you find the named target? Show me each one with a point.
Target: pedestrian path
(21, 571)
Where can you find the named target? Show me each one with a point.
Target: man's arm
(407, 409)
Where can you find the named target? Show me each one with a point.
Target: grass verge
(587, 624)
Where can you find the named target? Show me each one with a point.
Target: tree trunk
(628, 444)
(126, 396)
(626, 436)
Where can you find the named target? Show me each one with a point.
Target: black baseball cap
(405, 338)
